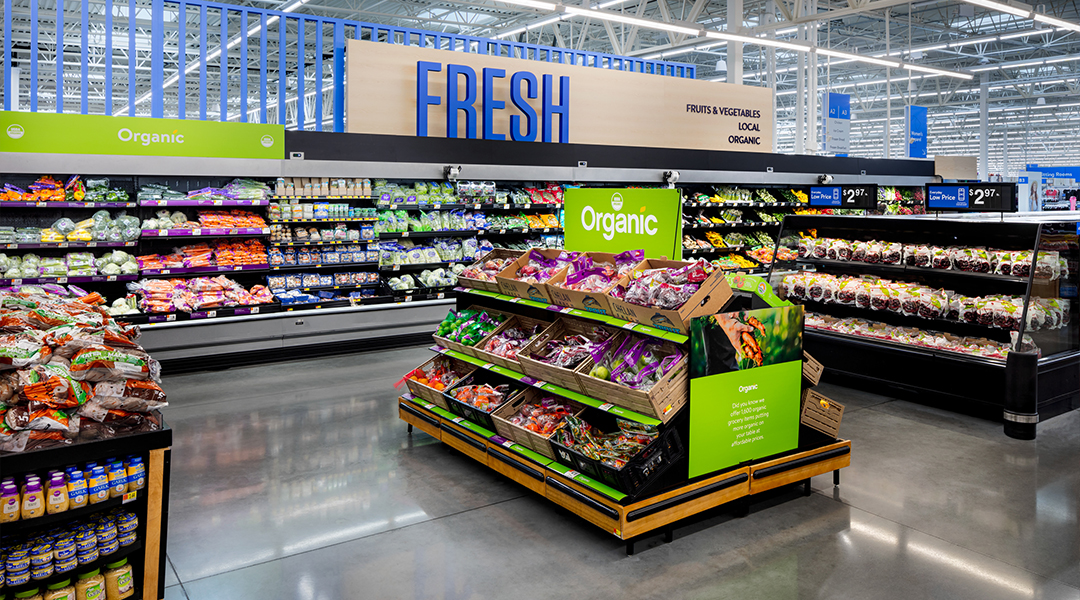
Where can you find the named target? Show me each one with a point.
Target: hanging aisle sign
(138, 136)
(915, 126)
(837, 109)
(409, 91)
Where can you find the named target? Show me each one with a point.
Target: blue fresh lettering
(562, 109)
(454, 104)
(516, 134)
(423, 100)
(490, 104)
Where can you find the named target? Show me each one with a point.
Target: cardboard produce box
(811, 370)
(595, 302)
(520, 289)
(821, 413)
(710, 298)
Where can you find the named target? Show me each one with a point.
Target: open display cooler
(933, 306)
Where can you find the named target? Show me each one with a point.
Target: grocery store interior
(316, 300)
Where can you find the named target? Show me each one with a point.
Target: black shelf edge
(740, 225)
(331, 244)
(225, 311)
(51, 457)
(291, 268)
(471, 206)
(906, 270)
(29, 524)
(422, 266)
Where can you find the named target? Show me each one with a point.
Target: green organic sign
(616, 220)
(138, 136)
(745, 386)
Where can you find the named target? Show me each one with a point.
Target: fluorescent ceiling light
(1056, 22)
(668, 53)
(621, 18)
(865, 59)
(746, 39)
(537, 4)
(931, 48)
(943, 72)
(1001, 7)
(1060, 59)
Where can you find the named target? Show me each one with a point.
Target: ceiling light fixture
(621, 18)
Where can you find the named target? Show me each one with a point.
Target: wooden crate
(821, 413)
(446, 343)
(811, 369)
(491, 286)
(663, 401)
(513, 321)
(559, 376)
(530, 439)
(431, 394)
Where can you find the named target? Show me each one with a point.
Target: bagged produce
(100, 363)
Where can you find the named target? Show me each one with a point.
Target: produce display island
(661, 491)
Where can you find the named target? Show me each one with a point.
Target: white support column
(984, 128)
(800, 104)
(735, 49)
(812, 60)
(770, 17)
(13, 86)
(1005, 153)
(888, 94)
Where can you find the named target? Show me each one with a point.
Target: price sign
(973, 197)
(844, 196)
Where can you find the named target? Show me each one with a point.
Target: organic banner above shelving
(409, 91)
(138, 136)
(745, 385)
(618, 219)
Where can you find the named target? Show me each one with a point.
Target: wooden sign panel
(403, 90)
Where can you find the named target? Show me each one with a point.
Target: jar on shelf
(119, 582)
(61, 590)
(90, 586)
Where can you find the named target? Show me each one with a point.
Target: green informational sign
(138, 136)
(745, 386)
(616, 220)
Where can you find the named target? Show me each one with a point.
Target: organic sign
(138, 136)
(745, 384)
(403, 90)
(615, 220)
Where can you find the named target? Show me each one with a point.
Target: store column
(734, 49)
(984, 128)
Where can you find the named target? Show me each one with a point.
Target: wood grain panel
(155, 486)
(758, 485)
(607, 107)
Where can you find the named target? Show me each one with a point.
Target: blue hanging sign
(916, 128)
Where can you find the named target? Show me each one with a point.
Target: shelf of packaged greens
(739, 225)
(904, 348)
(467, 232)
(423, 266)
(201, 270)
(326, 288)
(612, 321)
(63, 280)
(366, 265)
(195, 202)
(549, 387)
(333, 243)
(20, 204)
(205, 232)
(470, 205)
(43, 245)
(321, 198)
(744, 204)
(327, 220)
(98, 564)
(225, 311)
(883, 269)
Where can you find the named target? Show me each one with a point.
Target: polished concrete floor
(298, 481)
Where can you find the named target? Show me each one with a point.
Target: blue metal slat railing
(163, 34)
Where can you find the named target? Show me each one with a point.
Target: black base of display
(217, 362)
(959, 383)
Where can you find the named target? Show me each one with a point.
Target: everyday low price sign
(846, 196)
(975, 197)
(138, 136)
(616, 220)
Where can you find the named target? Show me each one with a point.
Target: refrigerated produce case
(932, 306)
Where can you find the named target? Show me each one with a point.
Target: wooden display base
(625, 517)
